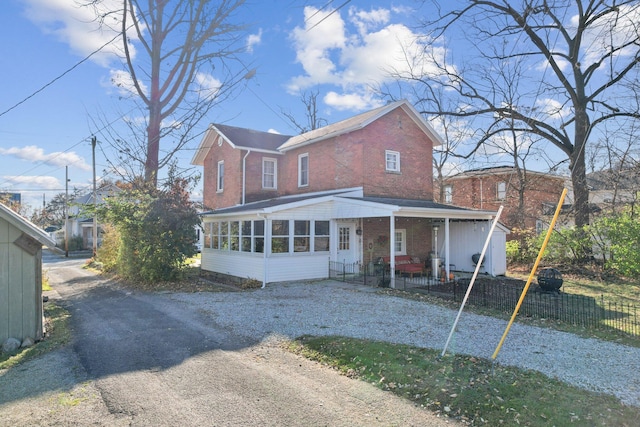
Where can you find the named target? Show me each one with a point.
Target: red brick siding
(397, 132)
(482, 193)
(355, 159)
(232, 193)
(418, 235)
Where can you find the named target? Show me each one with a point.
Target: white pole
(473, 279)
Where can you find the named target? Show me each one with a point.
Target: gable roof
(239, 138)
(247, 139)
(25, 226)
(359, 122)
(497, 170)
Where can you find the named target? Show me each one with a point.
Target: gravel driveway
(177, 369)
(335, 308)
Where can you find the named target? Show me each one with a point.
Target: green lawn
(469, 389)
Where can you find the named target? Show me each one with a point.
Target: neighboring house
(611, 187)
(490, 188)
(283, 207)
(21, 308)
(80, 222)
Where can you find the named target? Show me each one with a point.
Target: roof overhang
(26, 226)
(346, 205)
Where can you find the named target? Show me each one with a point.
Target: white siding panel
(468, 238)
(300, 267)
(280, 268)
(240, 264)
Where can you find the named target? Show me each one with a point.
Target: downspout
(244, 174)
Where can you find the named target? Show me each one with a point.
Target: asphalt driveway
(148, 359)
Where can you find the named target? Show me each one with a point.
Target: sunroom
(297, 237)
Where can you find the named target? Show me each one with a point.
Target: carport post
(392, 251)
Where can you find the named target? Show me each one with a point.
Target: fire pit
(550, 280)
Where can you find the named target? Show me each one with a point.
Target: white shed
(21, 310)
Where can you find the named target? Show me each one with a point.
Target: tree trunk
(577, 166)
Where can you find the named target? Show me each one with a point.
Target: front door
(347, 243)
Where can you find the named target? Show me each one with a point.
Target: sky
(54, 98)
(63, 79)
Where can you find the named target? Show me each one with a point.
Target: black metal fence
(583, 311)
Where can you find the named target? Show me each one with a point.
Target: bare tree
(314, 121)
(582, 57)
(171, 51)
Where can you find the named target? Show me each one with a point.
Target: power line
(60, 76)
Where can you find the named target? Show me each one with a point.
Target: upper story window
(448, 194)
(269, 173)
(392, 161)
(220, 185)
(303, 170)
(502, 190)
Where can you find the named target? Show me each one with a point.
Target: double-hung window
(220, 185)
(269, 173)
(392, 161)
(303, 170)
(502, 190)
(448, 194)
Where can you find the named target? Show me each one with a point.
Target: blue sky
(41, 133)
(54, 98)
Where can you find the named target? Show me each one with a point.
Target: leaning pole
(473, 278)
(533, 270)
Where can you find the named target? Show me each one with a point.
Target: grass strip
(58, 334)
(468, 389)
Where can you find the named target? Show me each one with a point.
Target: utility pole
(95, 198)
(66, 211)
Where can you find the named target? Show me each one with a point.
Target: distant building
(12, 197)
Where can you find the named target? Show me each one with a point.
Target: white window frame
(303, 173)
(402, 239)
(396, 161)
(220, 177)
(448, 194)
(501, 190)
(266, 160)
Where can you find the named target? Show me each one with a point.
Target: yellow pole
(533, 270)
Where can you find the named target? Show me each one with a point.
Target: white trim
(275, 173)
(396, 154)
(219, 182)
(300, 157)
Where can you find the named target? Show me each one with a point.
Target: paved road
(137, 362)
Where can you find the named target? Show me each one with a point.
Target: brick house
(490, 188)
(283, 207)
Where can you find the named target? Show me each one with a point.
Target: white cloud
(208, 86)
(253, 40)
(273, 131)
(39, 182)
(78, 27)
(552, 108)
(33, 153)
(357, 60)
(365, 21)
(121, 80)
(351, 101)
(610, 30)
